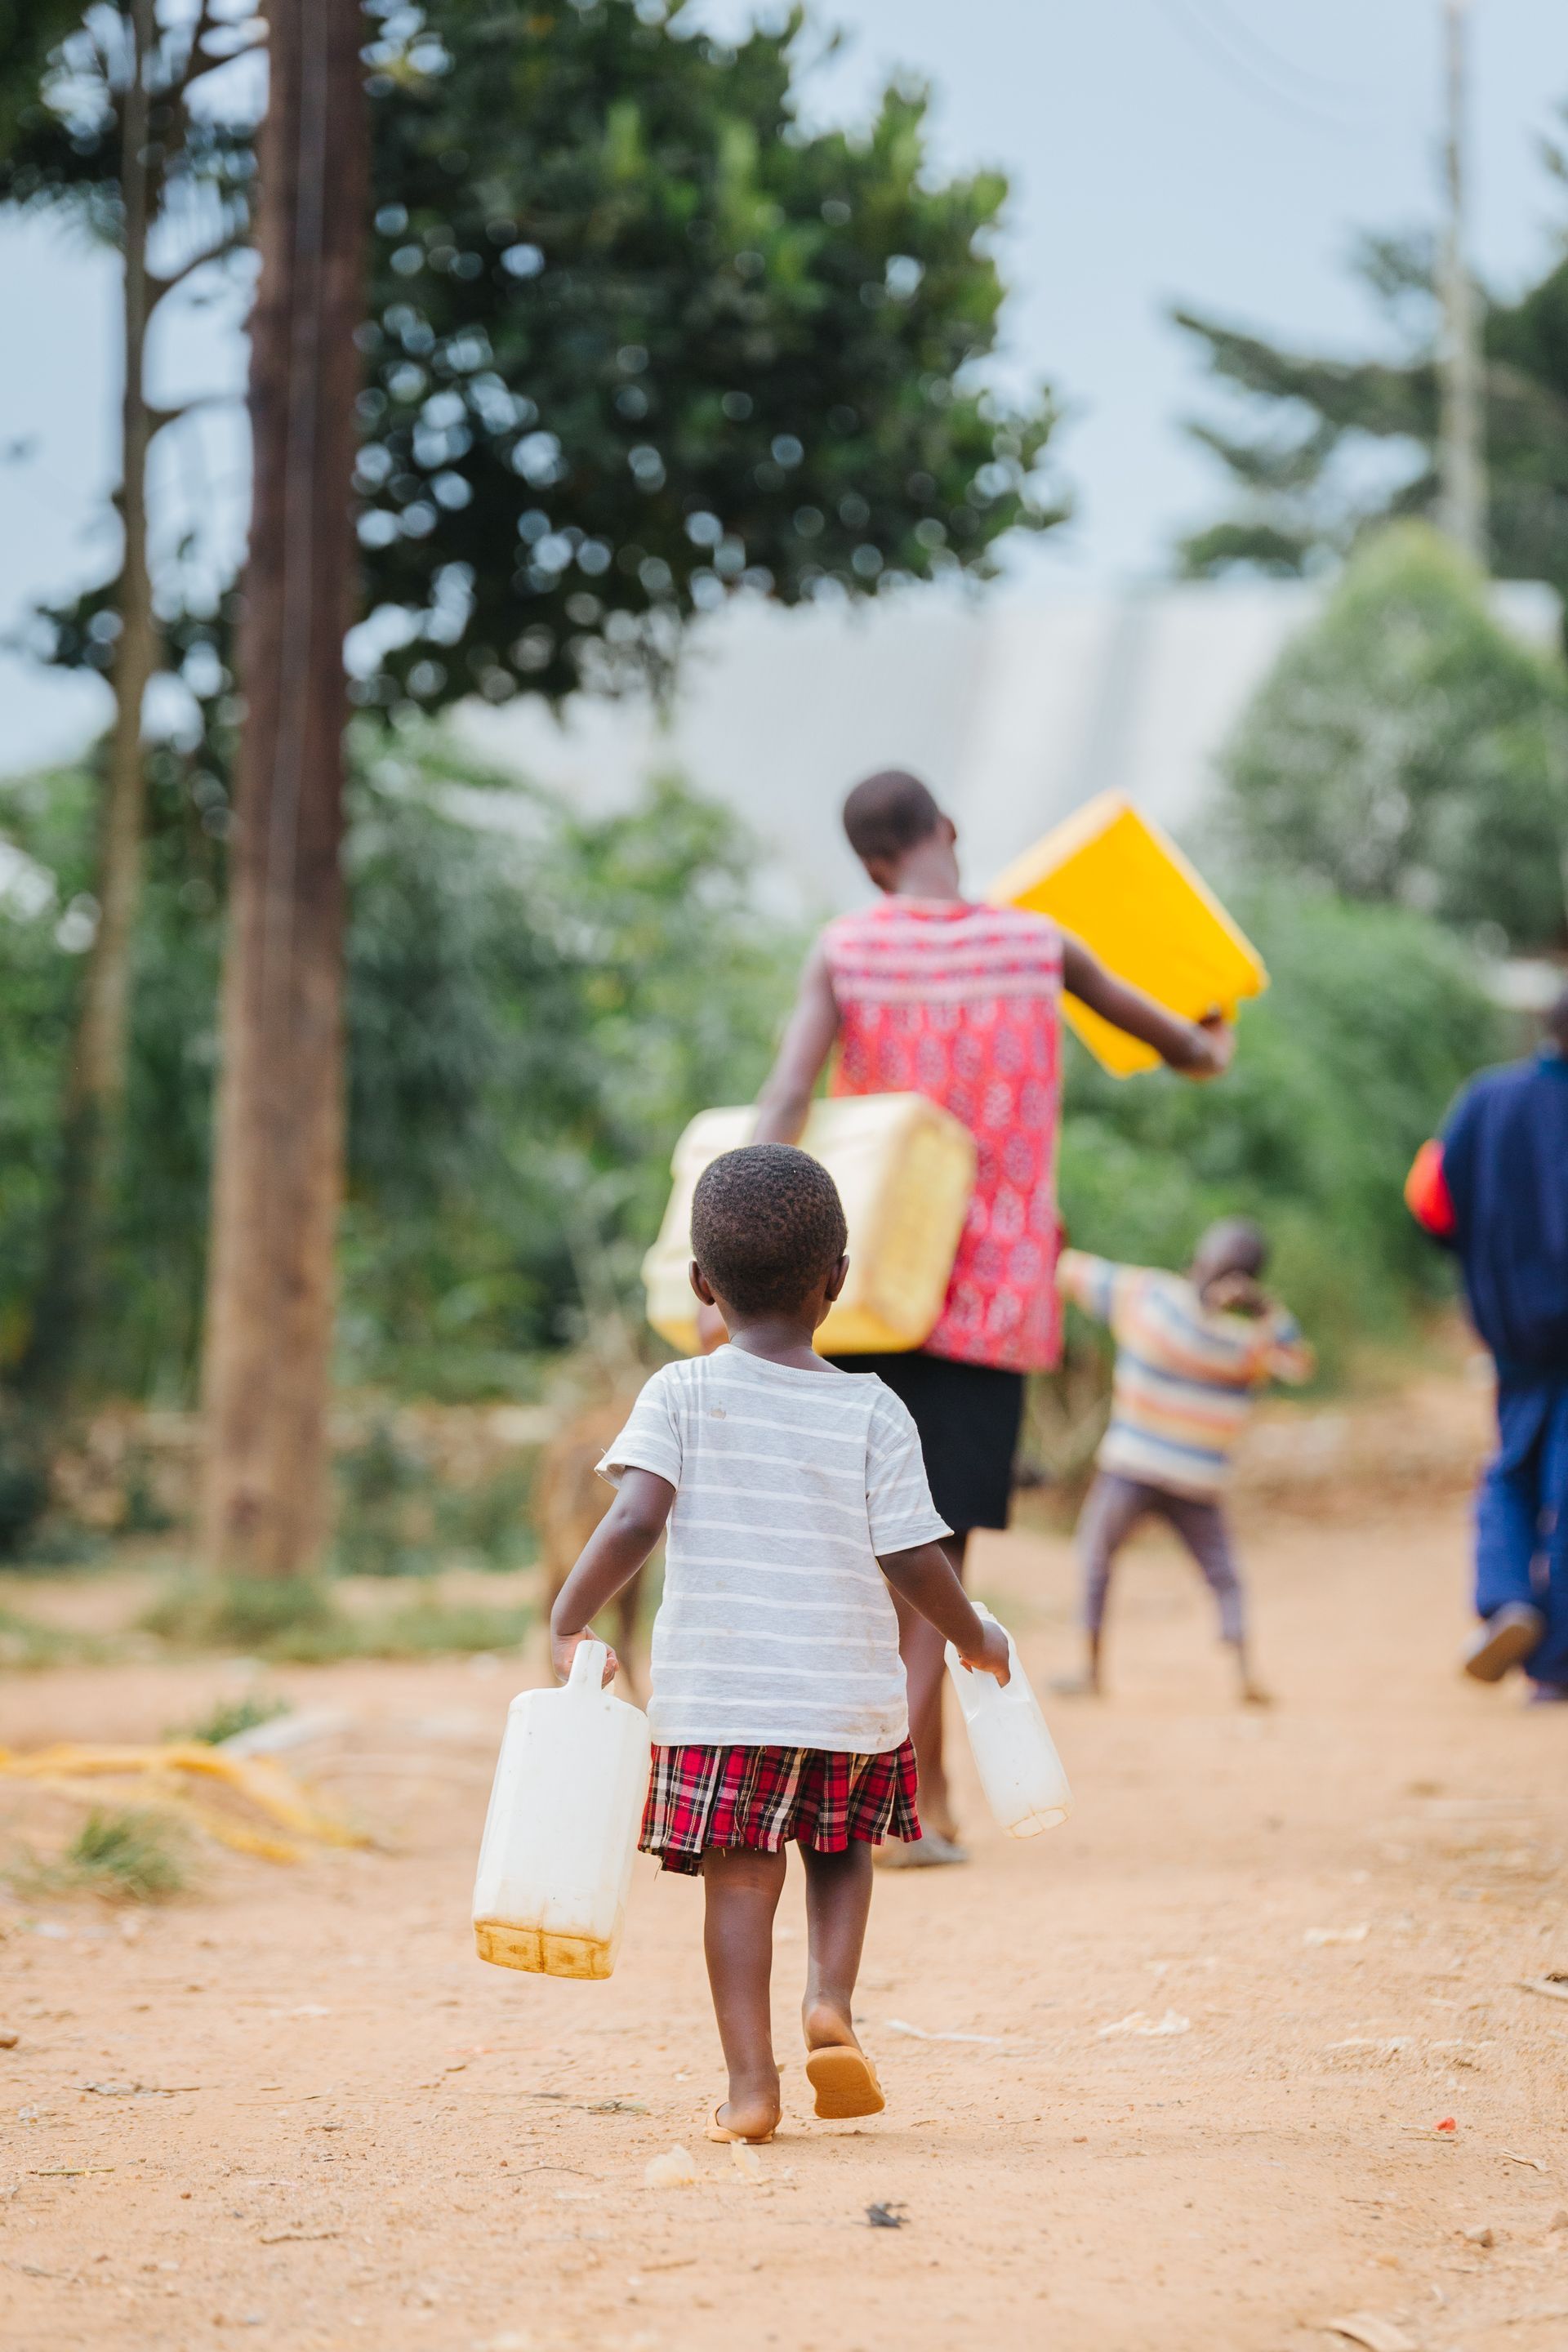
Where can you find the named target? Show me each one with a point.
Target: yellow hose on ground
(256, 1779)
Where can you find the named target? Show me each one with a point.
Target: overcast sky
(1219, 152)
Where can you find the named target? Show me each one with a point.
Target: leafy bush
(536, 1005)
(1372, 1019)
(1407, 748)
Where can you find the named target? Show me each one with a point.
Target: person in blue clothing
(1494, 1188)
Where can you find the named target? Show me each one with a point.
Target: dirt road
(1169, 2078)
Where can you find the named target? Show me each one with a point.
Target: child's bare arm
(609, 1560)
(923, 1577)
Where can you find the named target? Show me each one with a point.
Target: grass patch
(245, 1613)
(427, 1628)
(298, 1621)
(230, 1717)
(133, 1855)
(25, 1645)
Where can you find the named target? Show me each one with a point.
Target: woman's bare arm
(785, 1098)
(1199, 1049)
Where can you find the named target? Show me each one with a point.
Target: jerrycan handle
(986, 1617)
(588, 1666)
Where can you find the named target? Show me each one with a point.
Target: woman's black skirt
(968, 1416)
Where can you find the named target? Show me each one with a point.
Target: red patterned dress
(962, 1003)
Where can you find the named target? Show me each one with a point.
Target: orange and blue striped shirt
(1184, 1373)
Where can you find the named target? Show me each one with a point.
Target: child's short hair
(1235, 1245)
(766, 1224)
(887, 813)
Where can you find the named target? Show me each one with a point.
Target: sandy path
(351, 2132)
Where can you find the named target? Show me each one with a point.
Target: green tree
(634, 339)
(1299, 459)
(1407, 748)
(1372, 1019)
(102, 123)
(534, 1010)
(637, 340)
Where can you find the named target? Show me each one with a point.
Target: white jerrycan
(1014, 1754)
(555, 1864)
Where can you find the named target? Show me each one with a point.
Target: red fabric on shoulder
(1426, 1193)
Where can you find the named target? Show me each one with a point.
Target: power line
(1239, 69)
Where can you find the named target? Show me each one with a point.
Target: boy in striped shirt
(1190, 1350)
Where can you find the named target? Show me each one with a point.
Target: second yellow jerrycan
(1114, 878)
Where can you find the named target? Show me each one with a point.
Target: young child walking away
(797, 1505)
(1190, 1350)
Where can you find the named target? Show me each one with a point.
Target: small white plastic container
(1014, 1754)
(555, 1863)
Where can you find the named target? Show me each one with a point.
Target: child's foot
(837, 2069)
(1254, 1695)
(1076, 1685)
(745, 2116)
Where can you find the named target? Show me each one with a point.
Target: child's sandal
(845, 2081)
(727, 2139)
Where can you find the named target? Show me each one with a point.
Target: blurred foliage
(1345, 1064)
(1406, 747)
(397, 1517)
(536, 1010)
(537, 1003)
(299, 1620)
(1298, 465)
(633, 336)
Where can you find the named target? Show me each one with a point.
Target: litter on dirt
(918, 2033)
(676, 2168)
(1550, 1986)
(1357, 1935)
(746, 2161)
(886, 2217)
(1371, 2329)
(1138, 2021)
(1536, 2163)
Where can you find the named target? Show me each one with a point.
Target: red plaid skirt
(767, 1797)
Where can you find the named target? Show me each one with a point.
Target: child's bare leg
(1252, 1692)
(1204, 1529)
(838, 1904)
(742, 1895)
(1111, 1509)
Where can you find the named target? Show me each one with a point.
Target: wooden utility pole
(278, 1177)
(1462, 484)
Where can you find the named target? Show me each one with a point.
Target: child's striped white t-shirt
(777, 1628)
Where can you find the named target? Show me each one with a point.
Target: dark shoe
(1547, 1694)
(1505, 1641)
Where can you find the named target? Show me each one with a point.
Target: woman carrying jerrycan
(928, 991)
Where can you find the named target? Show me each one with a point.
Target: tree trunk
(279, 1118)
(95, 1081)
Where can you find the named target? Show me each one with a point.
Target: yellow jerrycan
(1114, 878)
(905, 1169)
(555, 1863)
